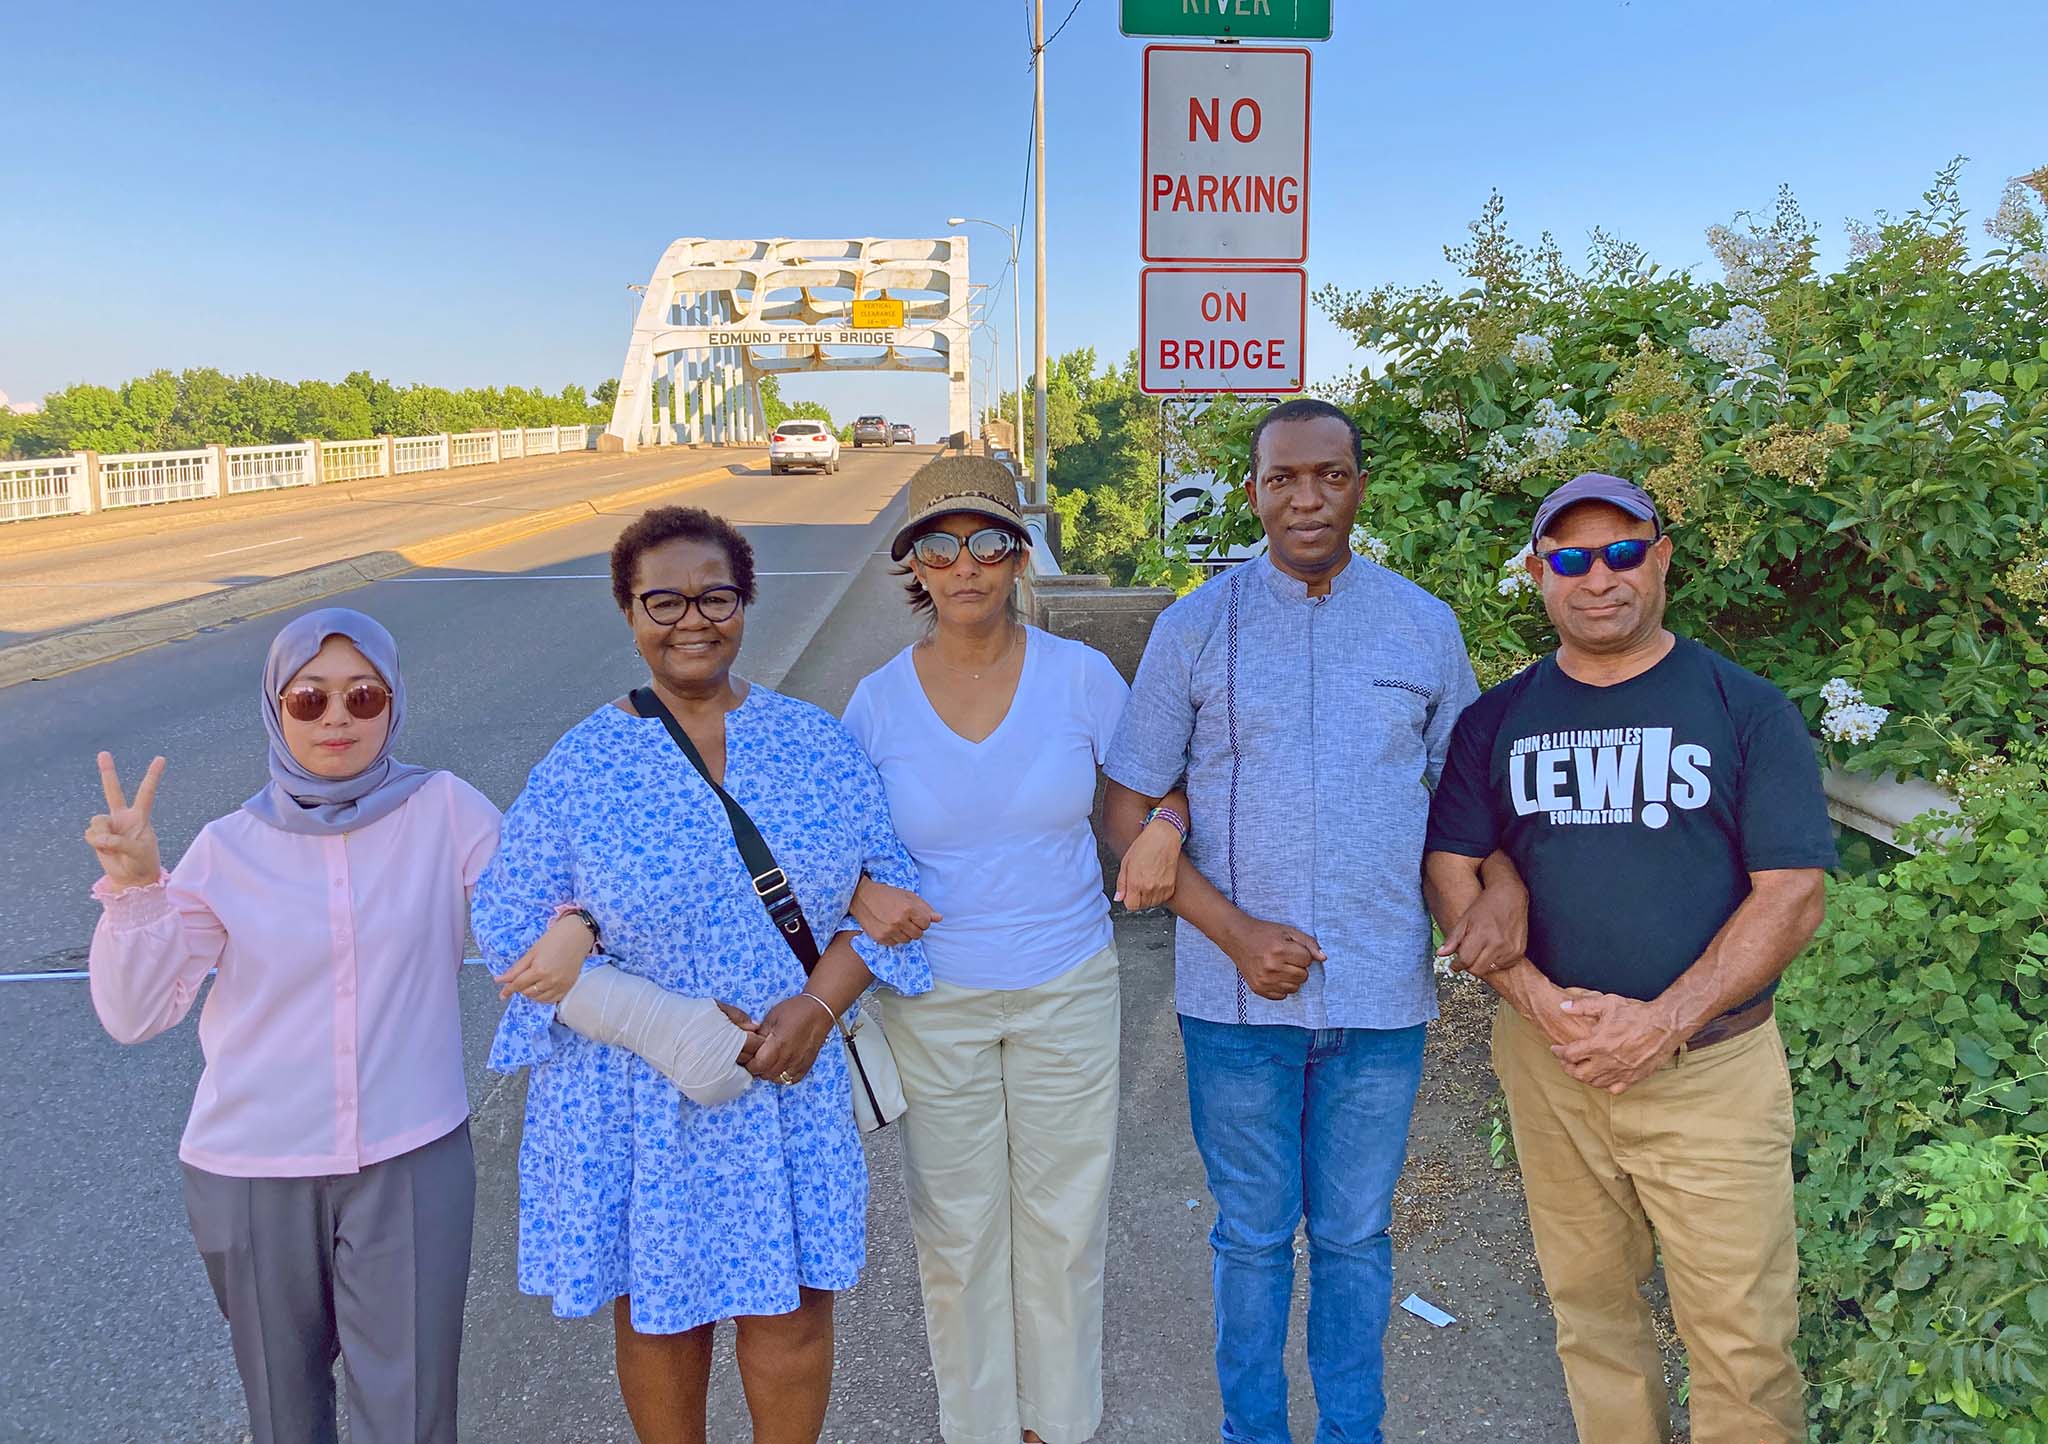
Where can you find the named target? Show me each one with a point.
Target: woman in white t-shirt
(988, 736)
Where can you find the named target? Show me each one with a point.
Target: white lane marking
(253, 546)
(482, 499)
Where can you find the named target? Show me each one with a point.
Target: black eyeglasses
(665, 608)
(1621, 556)
(987, 546)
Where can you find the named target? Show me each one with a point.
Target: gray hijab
(296, 800)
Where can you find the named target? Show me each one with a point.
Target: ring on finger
(785, 1078)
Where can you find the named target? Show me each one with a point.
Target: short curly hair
(665, 524)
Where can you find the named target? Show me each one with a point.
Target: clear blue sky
(459, 194)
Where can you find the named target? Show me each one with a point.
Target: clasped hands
(1602, 1039)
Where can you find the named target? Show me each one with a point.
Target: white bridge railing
(86, 482)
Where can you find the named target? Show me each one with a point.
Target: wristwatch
(583, 916)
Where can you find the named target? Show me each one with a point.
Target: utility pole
(1038, 463)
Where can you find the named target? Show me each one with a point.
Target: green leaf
(1972, 1054)
(1915, 1272)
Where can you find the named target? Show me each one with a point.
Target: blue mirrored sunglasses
(1621, 556)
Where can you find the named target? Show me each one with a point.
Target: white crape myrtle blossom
(1550, 429)
(2014, 219)
(1531, 348)
(1367, 545)
(1840, 692)
(1863, 240)
(1741, 343)
(2034, 266)
(1857, 722)
(1497, 458)
(1514, 574)
(1440, 422)
(1849, 718)
(1756, 263)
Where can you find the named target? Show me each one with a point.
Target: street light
(1016, 342)
(633, 309)
(995, 370)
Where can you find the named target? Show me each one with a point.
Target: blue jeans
(1294, 1123)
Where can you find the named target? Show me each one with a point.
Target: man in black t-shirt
(1664, 808)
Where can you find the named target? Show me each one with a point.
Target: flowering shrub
(1852, 467)
(1851, 464)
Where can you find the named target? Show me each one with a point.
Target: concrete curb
(104, 641)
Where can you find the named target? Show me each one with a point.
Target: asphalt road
(66, 571)
(107, 1331)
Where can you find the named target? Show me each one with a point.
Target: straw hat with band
(959, 485)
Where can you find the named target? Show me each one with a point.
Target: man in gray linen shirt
(1307, 698)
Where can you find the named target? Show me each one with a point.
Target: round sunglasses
(940, 549)
(308, 703)
(1621, 556)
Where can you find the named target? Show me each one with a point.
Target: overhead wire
(1062, 25)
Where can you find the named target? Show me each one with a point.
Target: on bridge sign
(1204, 329)
(1226, 154)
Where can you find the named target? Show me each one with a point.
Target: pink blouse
(332, 1035)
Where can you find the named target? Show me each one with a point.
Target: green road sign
(1229, 19)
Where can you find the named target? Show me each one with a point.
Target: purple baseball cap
(1595, 486)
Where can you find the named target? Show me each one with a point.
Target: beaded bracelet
(1180, 824)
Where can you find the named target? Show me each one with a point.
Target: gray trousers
(370, 1266)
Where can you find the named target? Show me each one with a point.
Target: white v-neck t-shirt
(1000, 828)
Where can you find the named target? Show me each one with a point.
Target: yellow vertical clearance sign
(877, 315)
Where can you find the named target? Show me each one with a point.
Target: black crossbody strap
(771, 883)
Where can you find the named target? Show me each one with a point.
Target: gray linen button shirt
(1309, 731)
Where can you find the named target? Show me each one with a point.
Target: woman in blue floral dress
(630, 1193)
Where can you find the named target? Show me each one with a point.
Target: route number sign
(1206, 329)
(1226, 155)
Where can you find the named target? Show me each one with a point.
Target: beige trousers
(1697, 1156)
(1006, 1154)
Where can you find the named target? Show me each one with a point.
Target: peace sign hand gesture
(122, 837)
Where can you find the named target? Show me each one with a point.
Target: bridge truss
(717, 316)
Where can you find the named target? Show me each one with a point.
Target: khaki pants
(1700, 1153)
(1006, 1155)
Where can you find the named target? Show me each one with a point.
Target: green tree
(778, 410)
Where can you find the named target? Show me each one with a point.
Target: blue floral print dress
(625, 1186)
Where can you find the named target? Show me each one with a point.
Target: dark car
(872, 429)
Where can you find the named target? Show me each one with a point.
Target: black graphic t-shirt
(1635, 812)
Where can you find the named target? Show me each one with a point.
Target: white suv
(803, 443)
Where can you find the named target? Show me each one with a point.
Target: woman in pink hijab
(328, 1174)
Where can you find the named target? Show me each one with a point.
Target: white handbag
(878, 1097)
